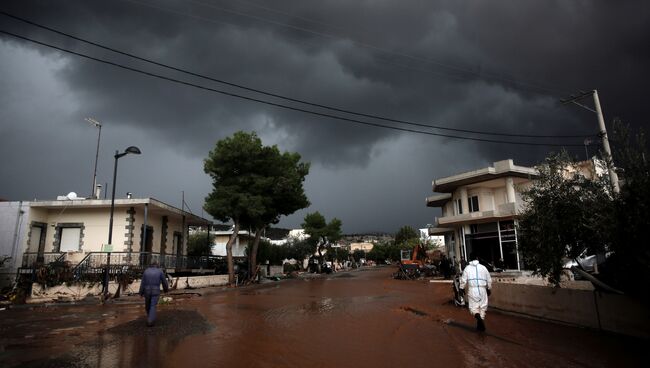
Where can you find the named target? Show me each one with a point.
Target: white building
(479, 211)
(239, 246)
(43, 231)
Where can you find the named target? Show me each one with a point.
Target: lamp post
(136, 151)
(98, 125)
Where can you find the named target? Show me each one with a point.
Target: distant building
(238, 247)
(365, 246)
(294, 235)
(435, 240)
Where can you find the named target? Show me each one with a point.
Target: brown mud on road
(357, 319)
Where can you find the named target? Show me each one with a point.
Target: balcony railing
(30, 259)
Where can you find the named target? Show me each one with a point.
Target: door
(37, 241)
(178, 244)
(146, 246)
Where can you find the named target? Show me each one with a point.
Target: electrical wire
(346, 111)
(315, 113)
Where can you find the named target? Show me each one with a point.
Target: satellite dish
(72, 195)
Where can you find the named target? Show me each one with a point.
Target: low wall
(81, 291)
(609, 312)
(275, 271)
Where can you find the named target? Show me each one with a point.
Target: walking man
(150, 290)
(479, 283)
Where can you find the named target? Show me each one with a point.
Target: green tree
(629, 267)
(200, 244)
(563, 217)
(406, 233)
(233, 165)
(321, 234)
(281, 184)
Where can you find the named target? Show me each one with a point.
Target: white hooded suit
(476, 281)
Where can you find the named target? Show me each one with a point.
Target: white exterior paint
(239, 246)
(13, 231)
(498, 189)
(91, 235)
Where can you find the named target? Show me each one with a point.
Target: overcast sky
(496, 66)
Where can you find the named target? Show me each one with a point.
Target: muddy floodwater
(362, 318)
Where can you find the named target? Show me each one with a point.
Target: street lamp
(136, 151)
(98, 125)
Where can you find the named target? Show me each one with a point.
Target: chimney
(98, 191)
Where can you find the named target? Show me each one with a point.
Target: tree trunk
(231, 265)
(252, 259)
(320, 256)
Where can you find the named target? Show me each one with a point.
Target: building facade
(479, 210)
(44, 231)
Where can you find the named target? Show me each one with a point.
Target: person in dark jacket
(150, 290)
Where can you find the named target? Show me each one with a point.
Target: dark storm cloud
(491, 66)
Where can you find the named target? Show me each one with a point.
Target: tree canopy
(253, 185)
(199, 244)
(321, 233)
(563, 216)
(628, 222)
(319, 230)
(568, 215)
(406, 233)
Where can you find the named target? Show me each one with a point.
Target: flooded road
(357, 319)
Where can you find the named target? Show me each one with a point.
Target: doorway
(37, 240)
(146, 246)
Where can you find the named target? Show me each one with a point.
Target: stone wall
(592, 309)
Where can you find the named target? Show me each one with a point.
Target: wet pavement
(358, 319)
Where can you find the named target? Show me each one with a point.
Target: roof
(155, 204)
(500, 169)
(438, 200)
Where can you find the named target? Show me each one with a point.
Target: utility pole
(97, 125)
(602, 131)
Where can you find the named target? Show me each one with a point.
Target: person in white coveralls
(477, 282)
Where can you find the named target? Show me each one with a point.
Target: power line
(280, 105)
(346, 111)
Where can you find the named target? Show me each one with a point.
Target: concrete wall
(95, 222)
(14, 226)
(275, 270)
(77, 292)
(610, 312)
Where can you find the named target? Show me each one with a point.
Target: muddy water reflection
(367, 319)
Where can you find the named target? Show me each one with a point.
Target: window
(473, 203)
(458, 207)
(70, 239)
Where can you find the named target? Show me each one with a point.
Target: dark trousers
(150, 303)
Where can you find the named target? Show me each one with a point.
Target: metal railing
(144, 259)
(30, 259)
(94, 265)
